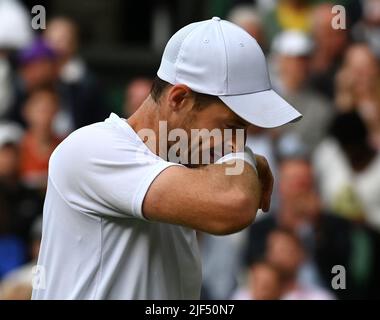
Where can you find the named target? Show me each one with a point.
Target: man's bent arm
(205, 199)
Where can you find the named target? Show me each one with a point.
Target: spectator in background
(329, 48)
(10, 136)
(221, 264)
(17, 284)
(264, 283)
(348, 171)
(5, 85)
(15, 33)
(291, 58)
(368, 28)
(19, 205)
(81, 95)
(136, 92)
(328, 240)
(263, 142)
(248, 18)
(358, 87)
(277, 277)
(288, 15)
(37, 68)
(15, 29)
(12, 252)
(39, 140)
(285, 251)
(298, 204)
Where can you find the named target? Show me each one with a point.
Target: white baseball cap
(218, 58)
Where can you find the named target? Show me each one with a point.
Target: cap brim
(264, 109)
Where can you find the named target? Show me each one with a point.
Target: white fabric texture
(247, 156)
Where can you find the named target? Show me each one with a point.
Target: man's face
(218, 120)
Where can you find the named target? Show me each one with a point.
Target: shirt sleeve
(106, 176)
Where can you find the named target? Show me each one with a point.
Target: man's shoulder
(91, 129)
(102, 144)
(96, 136)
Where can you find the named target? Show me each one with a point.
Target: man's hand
(266, 180)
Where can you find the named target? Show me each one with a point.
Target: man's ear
(178, 95)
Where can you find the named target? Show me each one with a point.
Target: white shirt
(96, 243)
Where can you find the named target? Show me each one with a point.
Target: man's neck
(147, 117)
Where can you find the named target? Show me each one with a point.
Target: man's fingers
(267, 192)
(266, 199)
(266, 180)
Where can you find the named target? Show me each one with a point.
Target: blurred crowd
(326, 203)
